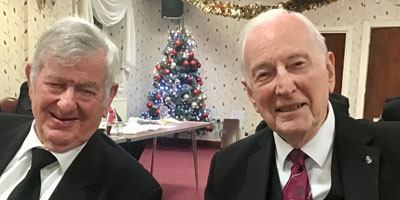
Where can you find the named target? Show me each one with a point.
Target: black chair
(24, 102)
(339, 101)
(391, 109)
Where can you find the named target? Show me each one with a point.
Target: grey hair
(71, 39)
(271, 15)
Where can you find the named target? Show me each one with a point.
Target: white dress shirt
(318, 165)
(19, 166)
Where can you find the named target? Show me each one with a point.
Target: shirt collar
(64, 159)
(317, 148)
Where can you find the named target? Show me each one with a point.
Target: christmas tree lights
(177, 82)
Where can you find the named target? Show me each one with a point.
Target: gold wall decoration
(248, 11)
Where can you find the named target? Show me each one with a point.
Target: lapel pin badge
(368, 159)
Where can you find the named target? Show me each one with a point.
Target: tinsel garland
(230, 9)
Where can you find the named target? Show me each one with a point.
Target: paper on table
(133, 128)
(137, 120)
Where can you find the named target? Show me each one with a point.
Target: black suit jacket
(102, 170)
(247, 170)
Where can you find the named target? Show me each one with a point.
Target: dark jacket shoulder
(9, 121)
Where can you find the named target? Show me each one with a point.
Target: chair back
(230, 132)
(8, 105)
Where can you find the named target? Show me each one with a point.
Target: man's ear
(28, 76)
(113, 92)
(330, 66)
(249, 93)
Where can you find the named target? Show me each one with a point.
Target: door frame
(364, 57)
(348, 31)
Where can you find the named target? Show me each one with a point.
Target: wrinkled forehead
(279, 34)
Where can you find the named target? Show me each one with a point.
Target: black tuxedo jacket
(102, 170)
(246, 169)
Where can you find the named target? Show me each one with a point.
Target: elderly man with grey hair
(309, 148)
(59, 154)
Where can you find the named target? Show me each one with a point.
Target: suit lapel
(83, 177)
(358, 163)
(260, 181)
(11, 142)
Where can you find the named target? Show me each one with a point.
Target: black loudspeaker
(171, 9)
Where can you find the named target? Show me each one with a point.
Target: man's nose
(67, 101)
(285, 84)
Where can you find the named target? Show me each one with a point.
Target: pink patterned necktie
(298, 186)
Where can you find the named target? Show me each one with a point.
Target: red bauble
(157, 112)
(166, 72)
(209, 128)
(173, 52)
(169, 60)
(200, 83)
(189, 79)
(205, 115)
(203, 105)
(158, 96)
(196, 92)
(158, 67)
(193, 63)
(198, 65)
(186, 63)
(191, 55)
(178, 43)
(198, 79)
(158, 77)
(149, 104)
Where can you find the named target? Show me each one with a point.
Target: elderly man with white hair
(59, 153)
(309, 148)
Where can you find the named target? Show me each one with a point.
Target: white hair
(271, 15)
(71, 39)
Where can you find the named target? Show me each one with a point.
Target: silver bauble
(194, 105)
(186, 97)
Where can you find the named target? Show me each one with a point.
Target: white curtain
(109, 13)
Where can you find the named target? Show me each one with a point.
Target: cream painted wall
(21, 24)
(12, 42)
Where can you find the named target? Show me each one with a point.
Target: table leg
(194, 149)
(152, 154)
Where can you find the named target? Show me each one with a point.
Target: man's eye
(55, 85)
(88, 92)
(263, 76)
(298, 65)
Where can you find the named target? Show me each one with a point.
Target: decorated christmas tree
(177, 82)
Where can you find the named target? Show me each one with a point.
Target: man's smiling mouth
(64, 119)
(290, 108)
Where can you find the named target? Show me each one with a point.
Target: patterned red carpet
(173, 168)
